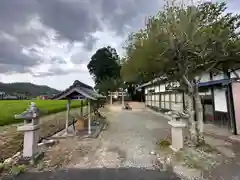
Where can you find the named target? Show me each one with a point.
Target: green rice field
(8, 108)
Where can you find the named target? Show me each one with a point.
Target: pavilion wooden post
(111, 98)
(67, 116)
(89, 117)
(81, 108)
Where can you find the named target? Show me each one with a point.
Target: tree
(104, 66)
(183, 42)
(108, 84)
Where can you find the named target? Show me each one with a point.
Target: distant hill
(27, 89)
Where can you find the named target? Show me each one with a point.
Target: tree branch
(186, 81)
(207, 70)
(235, 73)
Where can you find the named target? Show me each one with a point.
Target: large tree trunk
(199, 117)
(195, 113)
(192, 133)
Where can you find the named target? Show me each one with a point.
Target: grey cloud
(59, 60)
(11, 57)
(79, 58)
(14, 37)
(55, 71)
(89, 42)
(127, 12)
(13, 13)
(73, 20)
(10, 68)
(30, 37)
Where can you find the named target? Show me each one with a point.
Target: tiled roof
(80, 88)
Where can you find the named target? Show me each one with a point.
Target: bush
(164, 143)
(16, 170)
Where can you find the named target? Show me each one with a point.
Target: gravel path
(128, 141)
(121, 152)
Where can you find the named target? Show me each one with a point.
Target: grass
(164, 143)
(8, 108)
(11, 140)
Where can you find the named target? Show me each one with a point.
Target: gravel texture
(123, 151)
(128, 141)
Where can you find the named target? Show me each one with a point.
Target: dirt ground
(126, 145)
(123, 150)
(11, 141)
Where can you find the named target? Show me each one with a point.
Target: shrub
(164, 143)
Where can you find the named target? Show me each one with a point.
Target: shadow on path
(97, 174)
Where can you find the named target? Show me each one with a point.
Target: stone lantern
(178, 125)
(30, 129)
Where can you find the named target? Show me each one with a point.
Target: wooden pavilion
(78, 91)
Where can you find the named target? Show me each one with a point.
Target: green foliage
(8, 108)
(108, 84)
(182, 42)
(16, 170)
(164, 143)
(21, 168)
(104, 66)
(1, 167)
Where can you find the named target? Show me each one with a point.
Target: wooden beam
(67, 115)
(89, 117)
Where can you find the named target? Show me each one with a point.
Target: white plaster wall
(146, 90)
(179, 97)
(157, 88)
(167, 105)
(162, 105)
(218, 76)
(154, 100)
(173, 97)
(150, 88)
(233, 75)
(153, 103)
(167, 96)
(162, 88)
(220, 100)
(205, 77)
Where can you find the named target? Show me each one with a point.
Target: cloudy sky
(50, 42)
